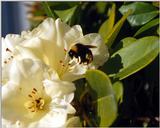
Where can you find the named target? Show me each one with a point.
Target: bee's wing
(90, 46)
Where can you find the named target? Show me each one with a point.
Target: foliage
(133, 42)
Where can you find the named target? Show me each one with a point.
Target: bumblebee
(82, 53)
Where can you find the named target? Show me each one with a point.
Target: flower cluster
(38, 70)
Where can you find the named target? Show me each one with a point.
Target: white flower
(30, 101)
(51, 42)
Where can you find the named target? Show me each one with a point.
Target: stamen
(35, 89)
(30, 95)
(33, 92)
(8, 50)
(9, 58)
(5, 62)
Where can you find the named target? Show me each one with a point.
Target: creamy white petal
(12, 108)
(65, 102)
(46, 30)
(8, 47)
(6, 72)
(72, 36)
(51, 120)
(69, 98)
(10, 73)
(58, 88)
(71, 109)
(75, 73)
(21, 70)
(10, 41)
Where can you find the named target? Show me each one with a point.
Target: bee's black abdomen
(83, 52)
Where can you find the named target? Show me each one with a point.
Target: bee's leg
(79, 60)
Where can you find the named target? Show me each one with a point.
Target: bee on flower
(64, 49)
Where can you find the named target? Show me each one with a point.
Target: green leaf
(106, 103)
(132, 58)
(99, 82)
(118, 90)
(67, 14)
(142, 12)
(147, 26)
(115, 30)
(101, 6)
(156, 4)
(125, 42)
(48, 10)
(107, 26)
(80, 88)
(106, 110)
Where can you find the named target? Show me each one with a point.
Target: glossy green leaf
(125, 42)
(113, 34)
(132, 58)
(107, 26)
(142, 12)
(104, 94)
(67, 14)
(101, 6)
(147, 26)
(99, 82)
(118, 90)
(48, 10)
(106, 110)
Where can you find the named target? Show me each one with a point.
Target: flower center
(35, 102)
(66, 65)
